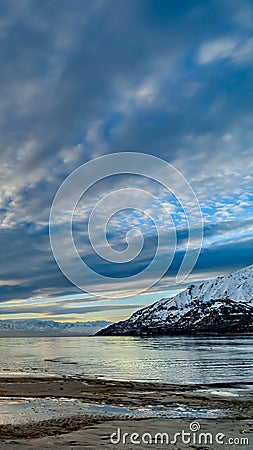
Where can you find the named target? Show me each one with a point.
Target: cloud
(215, 50)
(80, 80)
(244, 53)
(50, 310)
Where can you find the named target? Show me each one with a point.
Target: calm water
(167, 359)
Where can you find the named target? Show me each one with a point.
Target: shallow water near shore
(24, 410)
(170, 359)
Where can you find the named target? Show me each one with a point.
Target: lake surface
(179, 360)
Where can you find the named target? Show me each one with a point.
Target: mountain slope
(222, 305)
(38, 327)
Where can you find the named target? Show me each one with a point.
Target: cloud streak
(79, 80)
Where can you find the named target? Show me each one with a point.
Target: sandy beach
(217, 408)
(97, 436)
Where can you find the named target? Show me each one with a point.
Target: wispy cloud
(82, 79)
(216, 49)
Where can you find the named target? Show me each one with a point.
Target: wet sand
(92, 431)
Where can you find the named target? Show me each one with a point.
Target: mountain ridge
(48, 328)
(222, 305)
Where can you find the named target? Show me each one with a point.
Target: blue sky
(80, 80)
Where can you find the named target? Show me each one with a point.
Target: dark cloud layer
(81, 79)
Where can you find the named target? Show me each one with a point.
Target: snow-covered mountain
(37, 327)
(222, 305)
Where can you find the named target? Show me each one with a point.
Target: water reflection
(167, 359)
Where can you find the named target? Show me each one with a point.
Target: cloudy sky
(82, 79)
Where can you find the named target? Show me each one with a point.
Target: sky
(82, 80)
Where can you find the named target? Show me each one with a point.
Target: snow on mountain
(222, 305)
(39, 327)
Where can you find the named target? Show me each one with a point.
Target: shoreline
(122, 391)
(233, 399)
(142, 336)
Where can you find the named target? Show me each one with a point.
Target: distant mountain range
(223, 305)
(38, 327)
